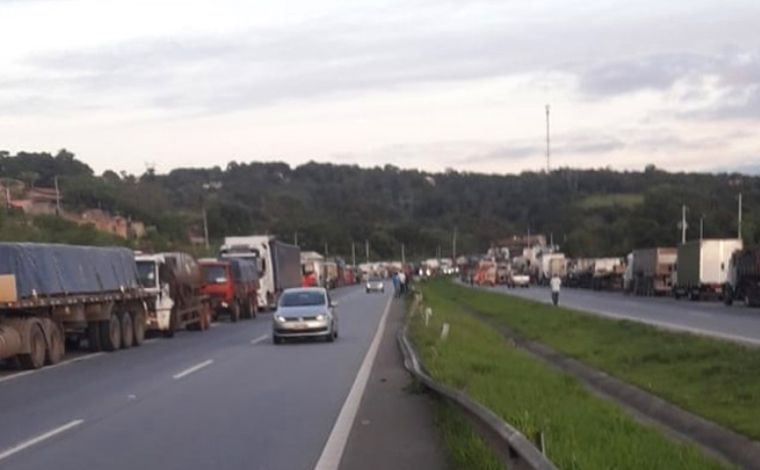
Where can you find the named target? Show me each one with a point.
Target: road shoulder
(395, 428)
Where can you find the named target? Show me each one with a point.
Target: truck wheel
(127, 331)
(37, 350)
(138, 328)
(93, 336)
(235, 312)
(56, 348)
(110, 334)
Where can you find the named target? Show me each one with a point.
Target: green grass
(598, 201)
(716, 379)
(582, 431)
(465, 450)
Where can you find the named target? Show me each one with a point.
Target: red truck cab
(232, 285)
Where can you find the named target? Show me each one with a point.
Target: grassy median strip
(715, 379)
(581, 430)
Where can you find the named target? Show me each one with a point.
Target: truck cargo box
(705, 262)
(654, 261)
(45, 270)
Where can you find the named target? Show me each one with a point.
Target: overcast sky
(416, 83)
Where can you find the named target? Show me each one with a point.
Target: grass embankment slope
(582, 431)
(715, 379)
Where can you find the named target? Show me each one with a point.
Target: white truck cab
(149, 270)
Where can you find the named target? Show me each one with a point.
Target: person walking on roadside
(555, 284)
(396, 285)
(402, 282)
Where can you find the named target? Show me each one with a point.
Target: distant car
(375, 284)
(519, 280)
(306, 312)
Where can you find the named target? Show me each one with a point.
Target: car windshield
(302, 299)
(215, 274)
(374, 279)
(146, 271)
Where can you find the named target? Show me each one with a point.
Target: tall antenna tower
(548, 142)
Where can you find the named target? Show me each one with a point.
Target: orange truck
(232, 284)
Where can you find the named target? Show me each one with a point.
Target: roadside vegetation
(581, 430)
(715, 379)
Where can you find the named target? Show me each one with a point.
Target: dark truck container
(232, 285)
(743, 281)
(652, 271)
(53, 295)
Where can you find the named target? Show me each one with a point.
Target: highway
(737, 323)
(224, 399)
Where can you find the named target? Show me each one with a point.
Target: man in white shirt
(402, 281)
(555, 284)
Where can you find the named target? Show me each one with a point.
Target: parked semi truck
(53, 295)
(175, 283)
(650, 271)
(232, 284)
(279, 264)
(743, 280)
(702, 267)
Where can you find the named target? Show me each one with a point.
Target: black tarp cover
(49, 269)
(243, 270)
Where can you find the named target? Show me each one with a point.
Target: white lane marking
(195, 368)
(259, 339)
(60, 364)
(215, 325)
(336, 443)
(150, 341)
(36, 440)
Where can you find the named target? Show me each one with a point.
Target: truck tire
(93, 337)
(35, 358)
(235, 312)
(254, 308)
(110, 334)
(127, 331)
(728, 295)
(55, 345)
(138, 328)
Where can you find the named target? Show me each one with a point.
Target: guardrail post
(428, 314)
(445, 331)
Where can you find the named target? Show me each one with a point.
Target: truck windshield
(302, 299)
(146, 270)
(215, 274)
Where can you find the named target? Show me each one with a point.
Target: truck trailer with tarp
(53, 295)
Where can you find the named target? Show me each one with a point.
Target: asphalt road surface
(224, 399)
(737, 323)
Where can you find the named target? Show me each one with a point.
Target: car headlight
(279, 319)
(320, 317)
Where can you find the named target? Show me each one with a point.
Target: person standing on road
(402, 282)
(396, 285)
(555, 284)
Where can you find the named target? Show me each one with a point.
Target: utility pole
(403, 254)
(548, 142)
(295, 238)
(205, 227)
(702, 227)
(454, 246)
(683, 224)
(327, 253)
(740, 216)
(57, 198)
(353, 253)
(366, 250)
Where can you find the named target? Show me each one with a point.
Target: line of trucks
(57, 297)
(698, 270)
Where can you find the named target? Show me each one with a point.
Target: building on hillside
(115, 225)
(36, 201)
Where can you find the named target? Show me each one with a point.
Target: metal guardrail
(512, 448)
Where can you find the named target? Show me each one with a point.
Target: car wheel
(276, 339)
(330, 336)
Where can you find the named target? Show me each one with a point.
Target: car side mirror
(333, 304)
